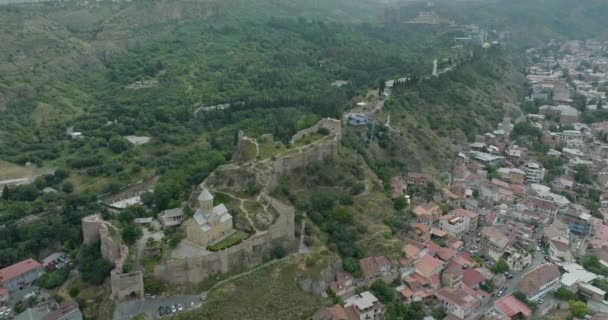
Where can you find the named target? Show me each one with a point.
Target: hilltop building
(209, 223)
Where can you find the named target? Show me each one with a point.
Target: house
(343, 285)
(419, 232)
(518, 260)
(364, 306)
(575, 274)
(544, 207)
(457, 302)
(493, 242)
(417, 179)
(398, 187)
(454, 225)
(472, 278)
(554, 230)
(430, 268)
(514, 175)
(487, 158)
(375, 267)
(539, 281)
(562, 184)
(559, 250)
(535, 173)
(66, 311)
(579, 221)
(209, 223)
(427, 213)
(513, 308)
(14, 277)
(452, 275)
(336, 312)
(472, 216)
(414, 250)
(453, 199)
(171, 217)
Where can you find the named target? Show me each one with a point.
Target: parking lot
(150, 306)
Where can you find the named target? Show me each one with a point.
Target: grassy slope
(268, 293)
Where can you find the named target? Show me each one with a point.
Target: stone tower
(205, 202)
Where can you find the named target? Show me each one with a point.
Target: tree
(118, 144)
(400, 203)
(600, 104)
(579, 101)
(147, 198)
(520, 296)
(438, 313)
(67, 187)
(578, 308)
(564, 294)
(278, 252)
(6, 193)
(351, 265)
(382, 291)
(582, 174)
(402, 311)
(131, 233)
(500, 267)
(381, 86)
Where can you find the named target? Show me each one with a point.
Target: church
(209, 223)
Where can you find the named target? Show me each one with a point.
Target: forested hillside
(529, 23)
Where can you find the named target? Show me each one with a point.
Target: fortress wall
(251, 251)
(247, 254)
(90, 229)
(124, 285)
(334, 126)
(110, 248)
(318, 151)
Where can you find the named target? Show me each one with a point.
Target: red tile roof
(445, 254)
(512, 306)
(472, 277)
(428, 265)
(464, 213)
(18, 269)
(3, 291)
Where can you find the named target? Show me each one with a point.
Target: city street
(512, 283)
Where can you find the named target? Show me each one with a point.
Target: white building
(366, 306)
(534, 172)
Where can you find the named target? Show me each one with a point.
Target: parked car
(180, 307)
(167, 310)
(547, 258)
(540, 301)
(173, 309)
(161, 311)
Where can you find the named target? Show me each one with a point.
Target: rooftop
(362, 301)
(18, 269)
(511, 306)
(533, 280)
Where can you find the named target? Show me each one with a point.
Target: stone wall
(334, 126)
(247, 254)
(124, 285)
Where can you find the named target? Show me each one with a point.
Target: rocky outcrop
(318, 282)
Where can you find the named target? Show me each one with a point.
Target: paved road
(514, 282)
(127, 310)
